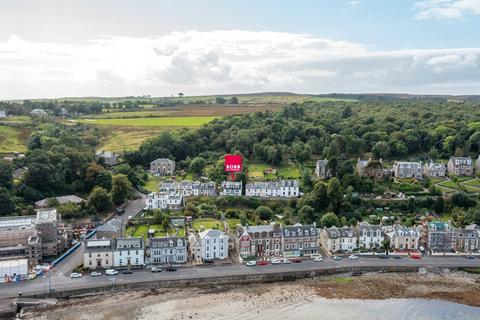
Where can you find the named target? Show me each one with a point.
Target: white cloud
(354, 3)
(227, 62)
(446, 9)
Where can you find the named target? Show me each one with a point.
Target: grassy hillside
(13, 139)
(151, 122)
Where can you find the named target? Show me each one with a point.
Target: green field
(130, 114)
(152, 122)
(13, 139)
(464, 179)
(232, 223)
(207, 223)
(473, 183)
(152, 183)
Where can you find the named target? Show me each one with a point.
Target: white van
(111, 272)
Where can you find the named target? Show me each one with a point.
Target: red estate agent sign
(233, 163)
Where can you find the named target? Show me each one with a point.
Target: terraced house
(164, 200)
(468, 239)
(168, 250)
(403, 238)
(260, 241)
(460, 166)
(439, 236)
(335, 239)
(188, 188)
(433, 169)
(273, 189)
(129, 252)
(369, 236)
(98, 254)
(231, 188)
(300, 240)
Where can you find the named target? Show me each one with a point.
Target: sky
(60, 48)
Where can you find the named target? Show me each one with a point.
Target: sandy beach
(325, 295)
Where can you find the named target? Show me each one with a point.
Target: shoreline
(202, 303)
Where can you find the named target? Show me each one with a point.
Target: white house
(164, 200)
(231, 188)
(3, 114)
(209, 245)
(38, 112)
(369, 236)
(98, 254)
(273, 189)
(129, 252)
(402, 238)
(188, 188)
(335, 239)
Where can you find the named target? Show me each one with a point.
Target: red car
(416, 256)
(296, 260)
(263, 263)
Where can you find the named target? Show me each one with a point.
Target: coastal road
(63, 283)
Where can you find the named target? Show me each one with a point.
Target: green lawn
(152, 183)
(464, 179)
(255, 172)
(448, 184)
(141, 231)
(444, 190)
(152, 122)
(12, 139)
(207, 223)
(473, 183)
(129, 114)
(471, 188)
(437, 179)
(232, 223)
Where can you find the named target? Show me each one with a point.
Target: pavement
(38, 285)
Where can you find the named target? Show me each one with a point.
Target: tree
(6, 174)
(121, 188)
(100, 200)
(165, 223)
(264, 213)
(335, 194)
(220, 100)
(104, 180)
(381, 149)
(462, 199)
(329, 219)
(91, 174)
(197, 165)
(7, 203)
(233, 100)
(307, 214)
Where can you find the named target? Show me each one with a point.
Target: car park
(75, 275)
(156, 269)
(95, 274)
(251, 263)
(111, 272)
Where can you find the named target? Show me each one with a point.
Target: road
(64, 268)
(38, 286)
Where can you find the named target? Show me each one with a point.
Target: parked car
(251, 263)
(318, 259)
(111, 272)
(286, 261)
(95, 274)
(397, 257)
(297, 260)
(353, 257)
(156, 269)
(470, 257)
(337, 258)
(382, 256)
(75, 275)
(127, 271)
(171, 269)
(120, 211)
(416, 256)
(263, 263)
(276, 261)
